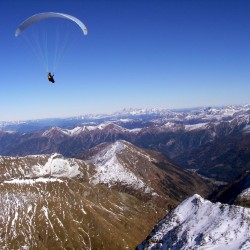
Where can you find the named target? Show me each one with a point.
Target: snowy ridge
(199, 224)
(217, 113)
(78, 130)
(196, 126)
(193, 113)
(110, 171)
(194, 119)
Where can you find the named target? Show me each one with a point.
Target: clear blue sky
(138, 53)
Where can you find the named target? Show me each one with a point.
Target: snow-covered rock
(110, 171)
(200, 224)
(56, 166)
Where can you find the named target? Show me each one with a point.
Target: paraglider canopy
(45, 15)
(49, 39)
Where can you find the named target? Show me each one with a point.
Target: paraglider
(51, 78)
(44, 52)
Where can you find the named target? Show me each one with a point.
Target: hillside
(49, 201)
(235, 192)
(123, 165)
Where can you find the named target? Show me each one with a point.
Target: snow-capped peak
(200, 224)
(79, 129)
(109, 169)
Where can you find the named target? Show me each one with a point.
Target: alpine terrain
(212, 141)
(104, 181)
(199, 224)
(111, 200)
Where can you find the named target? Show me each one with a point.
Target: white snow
(74, 131)
(32, 181)
(199, 224)
(78, 130)
(10, 131)
(246, 129)
(169, 125)
(110, 171)
(202, 117)
(56, 166)
(196, 126)
(134, 130)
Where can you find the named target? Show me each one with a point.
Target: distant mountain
(187, 116)
(199, 224)
(206, 140)
(110, 201)
(223, 159)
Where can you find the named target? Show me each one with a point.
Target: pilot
(51, 78)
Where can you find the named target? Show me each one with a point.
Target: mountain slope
(60, 214)
(231, 193)
(148, 173)
(47, 202)
(199, 224)
(243, 199)
(223, 159)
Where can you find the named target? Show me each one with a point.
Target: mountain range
(205, 140)
(104, 181)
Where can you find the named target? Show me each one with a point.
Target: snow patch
(56, 166)
(196, 126)
(246, 129)
(32, 181)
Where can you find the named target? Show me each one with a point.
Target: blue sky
(138, 53)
